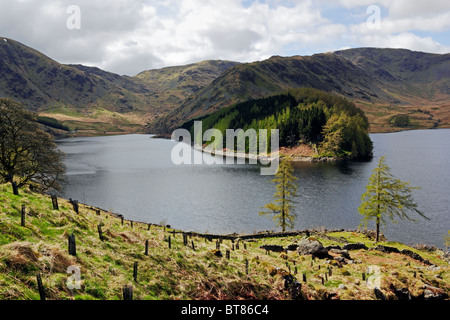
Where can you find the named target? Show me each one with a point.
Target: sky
(129, 36)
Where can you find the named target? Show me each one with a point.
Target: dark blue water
(134, 175)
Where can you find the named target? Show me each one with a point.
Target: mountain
(171, 86)
(42, 83)
(383, 82)
(90, 99)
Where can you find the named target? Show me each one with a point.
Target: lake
(133, 175)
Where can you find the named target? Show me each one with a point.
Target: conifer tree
(386, 198)
(282, 205)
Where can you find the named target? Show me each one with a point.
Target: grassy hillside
(187, 273)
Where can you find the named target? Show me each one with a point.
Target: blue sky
(129, 36)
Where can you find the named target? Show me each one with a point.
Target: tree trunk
(378, 230)
(15, 188)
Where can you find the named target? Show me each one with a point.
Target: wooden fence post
(55, 202)
(135, 271)
(246, 266)
(40, 287)
(100, 232)
(193, 245)
(74, 205)
(127, 292)
(23, 214)
(72, 245)
(228, 254)
(146, 247)
(170, 242)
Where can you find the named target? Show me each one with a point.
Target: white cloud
(129, 36)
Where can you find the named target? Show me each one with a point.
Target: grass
(180, 272)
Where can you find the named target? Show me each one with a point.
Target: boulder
(274, 248)
(354, 246)
(343, 253)
(294, 287)
(312, 247)
(387, 249)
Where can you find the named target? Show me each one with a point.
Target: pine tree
(386, 197)
(283, 203)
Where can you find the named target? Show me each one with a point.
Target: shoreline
(261, 234)
(232, 154)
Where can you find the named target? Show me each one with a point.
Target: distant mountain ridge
(383, 82)
(371, 77)
(45, 85)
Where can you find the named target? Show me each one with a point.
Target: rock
(342, 287)
(274, 248)
(387, 249)
(402, 294)
(378, 294)
(343, 253)
(340, 259)
(433, 293)
(217, 253)
(434, 268)
(414, 255)
(333, 247)
(294, 287)
(291, 247)
(312, 247)
(354, 246)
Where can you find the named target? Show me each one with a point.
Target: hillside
(90, 100)
(278, 266)
(383, 82)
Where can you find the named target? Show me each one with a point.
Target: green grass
(179, 272)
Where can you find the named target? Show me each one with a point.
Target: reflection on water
(133, 175)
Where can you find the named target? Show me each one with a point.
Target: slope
(381, 81)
